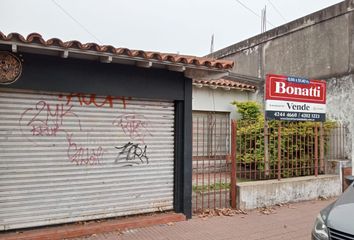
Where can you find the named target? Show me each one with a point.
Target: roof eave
(227, 88)
(189, 70)
(255, 81)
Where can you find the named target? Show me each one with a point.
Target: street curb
(76, 230)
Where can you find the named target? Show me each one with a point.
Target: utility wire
(277, 10)
(76, 21)
(249, 9)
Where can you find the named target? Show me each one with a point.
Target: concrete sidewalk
(292, 221)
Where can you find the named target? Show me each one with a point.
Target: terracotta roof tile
(91, 46)
(55, 42)
(225, 84)
(109, 49)
(35, 38)
(72, 44)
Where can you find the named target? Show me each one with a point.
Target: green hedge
(297, 144)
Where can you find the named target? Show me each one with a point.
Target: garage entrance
(69, 157)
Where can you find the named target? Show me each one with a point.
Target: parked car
(336, 221)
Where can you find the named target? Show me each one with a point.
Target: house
(90, 131)
(212, 114)
(217, 95)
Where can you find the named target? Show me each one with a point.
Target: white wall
(256, 194)
(219, 100)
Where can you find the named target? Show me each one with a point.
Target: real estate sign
(295, 99)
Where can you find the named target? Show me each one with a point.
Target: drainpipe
(352, 155)
(341, 175)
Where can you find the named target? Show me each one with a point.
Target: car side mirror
(349, 180)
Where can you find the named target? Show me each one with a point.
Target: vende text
(298, 106)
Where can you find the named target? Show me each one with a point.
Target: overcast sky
(175, 26)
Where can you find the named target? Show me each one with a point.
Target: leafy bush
(248, 110)
(297, 144)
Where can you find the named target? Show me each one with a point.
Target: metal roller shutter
(74, 157)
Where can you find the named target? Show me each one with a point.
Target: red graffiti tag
(83, 155)
(92, 99)
(45, 119)
(135, 126)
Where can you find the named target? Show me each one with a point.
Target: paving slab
(291, 221)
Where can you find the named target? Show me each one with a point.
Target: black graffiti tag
(132, 154)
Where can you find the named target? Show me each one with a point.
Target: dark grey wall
(49, 73)
(73, 75)
(320, 45)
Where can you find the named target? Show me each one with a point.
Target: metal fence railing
(211, 161)
(252, 150)
(275, 150)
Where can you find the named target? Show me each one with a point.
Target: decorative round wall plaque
(10, 68)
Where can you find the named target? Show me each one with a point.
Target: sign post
(295, 99)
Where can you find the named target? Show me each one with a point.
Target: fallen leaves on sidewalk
(220, 212)
(322, 198)
(267, 210)
(288, 205)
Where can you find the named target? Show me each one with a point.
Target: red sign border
(268, 95)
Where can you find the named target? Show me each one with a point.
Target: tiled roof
(223, 83)
(36, 39)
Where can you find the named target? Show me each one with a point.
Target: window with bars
(211, 135)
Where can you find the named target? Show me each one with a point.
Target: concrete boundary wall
(257, 194)
(317, 17)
